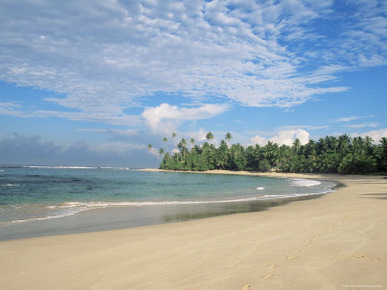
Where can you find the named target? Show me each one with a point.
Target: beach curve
(334, 242)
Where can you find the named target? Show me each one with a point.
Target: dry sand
(338, 241)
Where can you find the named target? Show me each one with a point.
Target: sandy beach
(338, 241)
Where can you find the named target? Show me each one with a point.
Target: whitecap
(102, 204)
(59, 215)
(10, 184)
(304, 182)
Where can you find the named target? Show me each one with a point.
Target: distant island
(343, 155)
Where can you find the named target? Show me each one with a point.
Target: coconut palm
(228, 137)
(209, 136)
(182, 146)
(192, 142)
(165, 140)
(331, 154)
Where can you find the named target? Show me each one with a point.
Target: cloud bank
(32, 150)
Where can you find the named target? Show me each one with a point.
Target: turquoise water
(33, 195)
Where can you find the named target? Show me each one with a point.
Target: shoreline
(338, 240)
(325, 176)
(104, 216)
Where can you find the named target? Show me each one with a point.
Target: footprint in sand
(309, 245)
(268, 276)
(292, 257)
(272, 266)
(246, 287)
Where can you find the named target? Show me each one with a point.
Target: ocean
(40, 201)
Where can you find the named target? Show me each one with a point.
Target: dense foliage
(343, 154)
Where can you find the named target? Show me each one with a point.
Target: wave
(291, 196)
(55, 216)
(10, 184)
(83, 206)
(72, 208)
(304, 182)
(68, 209)
(103, 204)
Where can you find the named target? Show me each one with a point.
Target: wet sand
(337, 241)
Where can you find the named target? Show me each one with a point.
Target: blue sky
(93, 83)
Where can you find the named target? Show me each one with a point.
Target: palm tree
(192, 142)
(182, 146)
(209, 136)
(271, 153)
(344, 144)
(368, 145)
(165, 140)
(222, 155)
(383, 154)
(150, 147)
(228, 137)
(174, 138)
(296, 145)
(330, 154)
(358, 145)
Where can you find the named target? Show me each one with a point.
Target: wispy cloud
(352, 118)
(105, 56)
(363, 125)
(97, 115)
(10, 109)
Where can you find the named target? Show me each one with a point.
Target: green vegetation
(343, 154)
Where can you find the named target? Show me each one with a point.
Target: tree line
(343, 154)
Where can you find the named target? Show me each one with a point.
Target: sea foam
(304, 182)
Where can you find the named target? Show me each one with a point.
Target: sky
(92, 83)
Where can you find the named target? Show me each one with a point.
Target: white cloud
(166, 118)
(105, 56)
(199, 136)
(283, 137)
(262, 141)
(376, 135)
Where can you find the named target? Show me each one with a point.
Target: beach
(337, 241)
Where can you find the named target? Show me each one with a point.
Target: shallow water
(42, 201)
